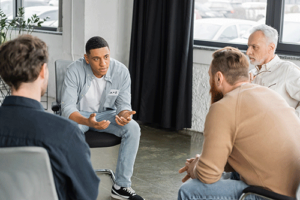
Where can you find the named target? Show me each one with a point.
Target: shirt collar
(267, 66)
(22, 102)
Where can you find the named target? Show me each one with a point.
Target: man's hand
(124, 117)
(97, 125)
(189, 168)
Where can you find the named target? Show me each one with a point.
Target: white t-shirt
(91, 101)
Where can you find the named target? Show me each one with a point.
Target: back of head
(95, 42)
(22, 60)
(232, 63)
(270, 33)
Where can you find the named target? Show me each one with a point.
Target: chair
(93, 138)
(266, 194)
(25, 173)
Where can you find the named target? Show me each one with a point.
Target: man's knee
(83, 128)
(184, 190)
(192, 189)
(133, 129)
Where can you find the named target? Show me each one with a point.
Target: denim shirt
(116, 95)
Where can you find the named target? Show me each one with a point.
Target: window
(228, 22)
(228, 34)
(291, 23)
(49, 9)
(6, 6)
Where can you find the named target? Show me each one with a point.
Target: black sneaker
(125, 193)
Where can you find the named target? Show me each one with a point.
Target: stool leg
(243, 196)
(109, 172)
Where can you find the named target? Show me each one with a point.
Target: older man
(249, 128)
(281, 76)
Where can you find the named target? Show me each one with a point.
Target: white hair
(270, 33)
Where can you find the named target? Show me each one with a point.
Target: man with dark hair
(96, 94)
(23, 121)
(249, 129)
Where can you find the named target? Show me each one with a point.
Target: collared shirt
(23, 122)
(283, 77)
(116, 95)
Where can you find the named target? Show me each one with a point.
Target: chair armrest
(55, 107)
(266, 193)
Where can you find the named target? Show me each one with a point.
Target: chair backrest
(25, 173)
(60, 71)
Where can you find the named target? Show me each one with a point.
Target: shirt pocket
(110, 101)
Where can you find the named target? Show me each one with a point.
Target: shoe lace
(129, 190)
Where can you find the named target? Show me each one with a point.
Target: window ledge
(206, 48)
(284, 57)
(47, 32)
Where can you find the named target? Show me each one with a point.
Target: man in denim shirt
(24, 122)
(96, 94)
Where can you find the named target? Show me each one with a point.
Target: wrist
(87, 122)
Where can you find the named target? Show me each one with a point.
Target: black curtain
(161, 61)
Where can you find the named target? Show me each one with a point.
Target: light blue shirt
(116, 95)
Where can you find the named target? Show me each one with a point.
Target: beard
(256, 62)
(43, 91)
(44, 87)
(215, 94)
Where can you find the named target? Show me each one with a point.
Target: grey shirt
(116, 95)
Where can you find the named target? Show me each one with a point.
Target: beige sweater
(258, 133)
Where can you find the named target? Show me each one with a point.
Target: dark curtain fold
(161, 62)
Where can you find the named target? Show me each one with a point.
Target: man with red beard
(249, 129)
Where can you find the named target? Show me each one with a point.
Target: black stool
(102, 139)
(266, 194)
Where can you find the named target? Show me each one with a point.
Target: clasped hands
(190, 164)
(123, 118)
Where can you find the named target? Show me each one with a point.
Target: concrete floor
(160, 156)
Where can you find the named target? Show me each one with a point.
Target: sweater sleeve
(218, 143)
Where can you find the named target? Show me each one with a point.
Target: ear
(219, 78)
(86, 58)
(43, 71)
(271, 48)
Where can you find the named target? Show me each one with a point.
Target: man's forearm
(77, 117)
